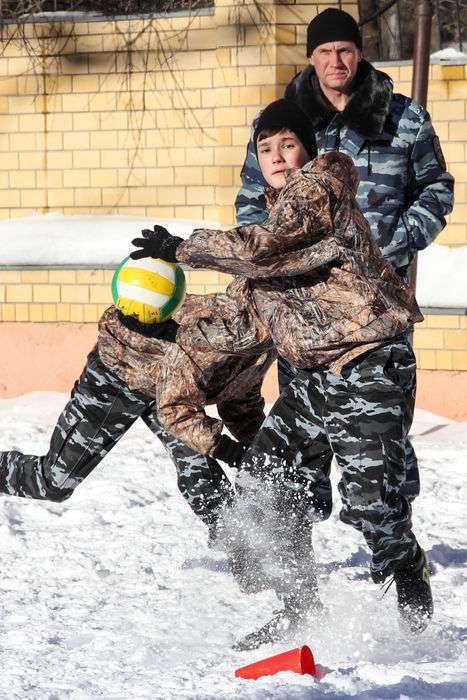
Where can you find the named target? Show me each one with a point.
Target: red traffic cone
(299, 660)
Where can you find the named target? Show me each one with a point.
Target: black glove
(166, 330)
(229, 451)
(156, 244)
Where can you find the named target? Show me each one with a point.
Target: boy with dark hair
(339, 315)
(404, 191)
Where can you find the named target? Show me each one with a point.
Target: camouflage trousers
(323, 493)
(362, 417)
(100, 411)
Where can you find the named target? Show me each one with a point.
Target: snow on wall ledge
(449, 55)
(54, 239)
(441, 277)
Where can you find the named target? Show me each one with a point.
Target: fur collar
(367, 111)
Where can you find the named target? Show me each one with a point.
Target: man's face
(279, 153)
(336, 64)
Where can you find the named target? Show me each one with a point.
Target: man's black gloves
(156, 244)
(229, 451)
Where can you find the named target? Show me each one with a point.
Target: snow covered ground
(114, 593)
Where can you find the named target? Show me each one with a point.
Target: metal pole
(421, 68)
(421, 51)
(459, 26)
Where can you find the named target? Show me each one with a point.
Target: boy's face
(279, 153)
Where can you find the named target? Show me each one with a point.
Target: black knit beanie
(285, 114)
(332, 25)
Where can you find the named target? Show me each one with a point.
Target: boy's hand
(229, 451)
(156, 244)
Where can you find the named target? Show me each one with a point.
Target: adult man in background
(404, 192)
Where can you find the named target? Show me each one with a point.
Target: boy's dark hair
(285, 114)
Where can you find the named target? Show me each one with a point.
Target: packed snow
(115, 594)
(54, 239)
(441, 278)
(450, 54)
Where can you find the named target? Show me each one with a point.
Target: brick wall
(88, 125)
(84, 129)
(76, 296)
(440, 342)
(80, 296)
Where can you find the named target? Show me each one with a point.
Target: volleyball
(149, 289)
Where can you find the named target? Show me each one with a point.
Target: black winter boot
(414, 597)
(273, 631)
(285, 623)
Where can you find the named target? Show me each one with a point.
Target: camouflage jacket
(404, 192)
(183, 377)
(337, 297)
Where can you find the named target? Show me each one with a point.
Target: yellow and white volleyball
(149, 289)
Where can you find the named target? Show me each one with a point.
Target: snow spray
(267, 535)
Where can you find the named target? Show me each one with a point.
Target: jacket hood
(367, 109)
(336, 164)
(333, 163)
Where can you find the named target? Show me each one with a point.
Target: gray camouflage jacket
(404, 192)
(336, 298)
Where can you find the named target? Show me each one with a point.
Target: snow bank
(54, 239)
(450, 54)
(62, 15)
(441, 277)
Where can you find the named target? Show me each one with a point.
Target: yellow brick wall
(81, 296)
(77, 296)
(142, 118)
(440, 342)
(160, 129)
(150, 119)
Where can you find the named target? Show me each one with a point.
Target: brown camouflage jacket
(336, 298)
(184, 377)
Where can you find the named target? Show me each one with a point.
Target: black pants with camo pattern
(100, 411)
(362, 417)
(323, 494)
